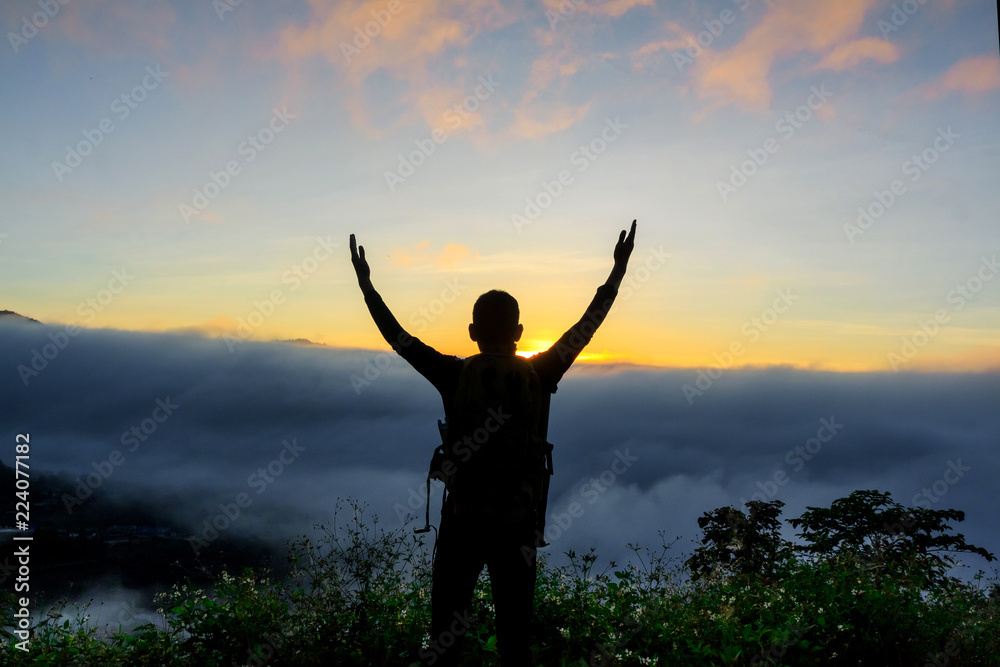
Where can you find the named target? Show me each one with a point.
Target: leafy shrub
(358, 594)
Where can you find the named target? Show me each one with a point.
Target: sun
(533, 347)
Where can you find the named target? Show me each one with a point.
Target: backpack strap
(438, 456)
(543, 499)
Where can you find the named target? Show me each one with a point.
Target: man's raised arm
(386, 322)
(441, 370)
(569, 346)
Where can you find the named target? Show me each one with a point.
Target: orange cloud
(559, 61)
(362, 38)
(741, 73)
(450, 256)
(684, 39)
(424, 52)
(612, 8)
(971, 76)
(615, 8)
(851, 54)
(436, 104)
(536, 125)
(534, 120)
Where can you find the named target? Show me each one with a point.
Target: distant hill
(300, 341)
(10, 315)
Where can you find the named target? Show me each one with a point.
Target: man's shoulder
(414, 347)
(549, 366)
(440, 369)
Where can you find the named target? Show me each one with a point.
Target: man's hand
(623, 249)
(387, 325)
(361, 265)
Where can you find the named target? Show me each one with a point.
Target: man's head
(495, 320)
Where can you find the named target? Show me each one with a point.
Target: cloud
(450, 255)
(218, 327)
(138, 28)
(415, 65)
(616, 8)
(366, 423)
(362, 39)
(741, 73)
(562, 56)
(535, 124)
(684, 38)
(538, 115)
(612, 8)
(972, 76)
(853, 53)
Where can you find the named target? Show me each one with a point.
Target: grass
(359, 594)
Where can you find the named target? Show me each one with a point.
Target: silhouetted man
(485, 521)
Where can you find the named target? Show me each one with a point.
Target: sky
(814, 182)
(814, 263)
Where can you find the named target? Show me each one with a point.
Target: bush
(358, 594)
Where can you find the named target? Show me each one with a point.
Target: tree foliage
(866, 528)
(870, 527)
(738, 543)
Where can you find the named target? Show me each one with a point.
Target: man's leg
(512, 578)
(457, 566)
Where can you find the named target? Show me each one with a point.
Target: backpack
(494, 457)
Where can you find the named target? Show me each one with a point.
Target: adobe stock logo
(752, 329)
(212, 527)
(122, 106)
(796, 459)
(455, 116)
(704, 39)
(786, 126)
(915, 168)
(929, 328)
(584, 156)
(249, 149)
(901, 13)
(30, 27)
(363, 38)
